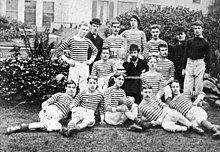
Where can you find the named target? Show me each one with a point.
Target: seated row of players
(115, 108)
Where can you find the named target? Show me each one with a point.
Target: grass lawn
(99, 138)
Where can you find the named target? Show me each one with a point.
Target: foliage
(170, 18)
(30, 79)
(214, 10)
(9, 29)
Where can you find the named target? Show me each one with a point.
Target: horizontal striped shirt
(78, 49)
(151, 109)
(182, 103)
(152, 47)
(89, 101)
(135, 37)
(154, 80)
(166, 67)
(62, 101)
(102, 68)
(115, 43)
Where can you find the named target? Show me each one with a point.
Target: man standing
(197, 115)
(176, 54)
(95, 38)
(136, 66)
(196, 60)
(79, 65)
(117, 45)
(153, 43)
(134, 35)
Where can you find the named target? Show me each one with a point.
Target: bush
(170, 18)
(31, 79)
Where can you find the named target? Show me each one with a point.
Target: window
(103, 10)
(12, 9)
(196, 1)
(125, 6)
(30, 12)
(48, 13)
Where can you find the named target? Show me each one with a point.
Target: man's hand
(102, 122)
(183, 72)
(206, 75)
(88, 62)
(122, 108)
(71, 62)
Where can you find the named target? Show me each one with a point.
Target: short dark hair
(115, 21)
(146, 86)
(118, 74)
(198, 23)
(176, 81)
(153, 57)
(92, 77)
(70, 82)
(162, 45)
(155, 26)
(105, 48)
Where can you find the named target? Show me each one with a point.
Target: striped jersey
(89, 101)
(102, 68)
(151, 109)
(155, 81)
(112, 96)
(62, 101)
(135, 37)
(152, 47)
(166, 68)
(115, 42)
(78, 49)
(182, 103)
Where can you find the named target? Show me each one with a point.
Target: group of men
(93, 61)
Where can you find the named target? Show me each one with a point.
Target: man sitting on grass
(197, 115)
(83, 108)
(53, 110)
(158, 113)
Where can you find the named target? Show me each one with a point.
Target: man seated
(118, 107)
(158, 113)
(197, 115)
(83, 108)
(53, 110)
(103, 69)
(136, 66)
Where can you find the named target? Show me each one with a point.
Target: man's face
(164, 52)
(92, 84)
(134, 55)
(147, 93)
(134, 23)
(94, 28)
(71, 90)
(181, 36)
(155, 33)
(83, 30)
(152, 63)
(119, 81)
(175, 88)
(115, 29)
(197, 30)
(105, 54)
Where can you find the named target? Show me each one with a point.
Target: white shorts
(115, 118)
(196, 115)
(50, 117)
(87, 116)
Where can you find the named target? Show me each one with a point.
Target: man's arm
(185, 56)
(94, 52)
(207, 56)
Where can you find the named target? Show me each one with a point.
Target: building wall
(74, 11)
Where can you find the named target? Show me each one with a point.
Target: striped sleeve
(53, 99)
(62, 47)
(92, 47)
(94, 69)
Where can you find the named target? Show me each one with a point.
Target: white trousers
(79, 74)
(195, 70)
